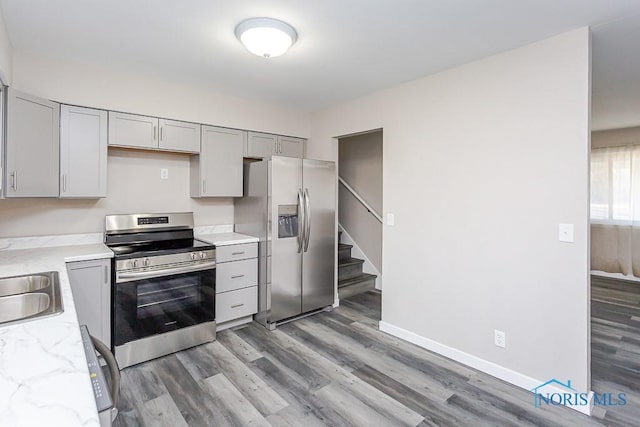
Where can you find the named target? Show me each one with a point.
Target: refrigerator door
(319, 256)
(286, 228)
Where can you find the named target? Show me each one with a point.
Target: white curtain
(615, 209)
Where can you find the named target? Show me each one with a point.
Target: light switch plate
(164, 173)
(565, 233)
(391, 219)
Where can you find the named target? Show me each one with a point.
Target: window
(615, 185)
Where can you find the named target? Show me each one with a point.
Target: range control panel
(153, 220)
(98, 381)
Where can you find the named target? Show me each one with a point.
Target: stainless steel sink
(16, 307)
(29, 297)
(23, 284)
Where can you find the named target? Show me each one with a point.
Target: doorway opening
(360, 218)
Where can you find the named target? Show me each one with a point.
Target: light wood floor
(337, 369)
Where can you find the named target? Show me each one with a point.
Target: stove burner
(159, 248)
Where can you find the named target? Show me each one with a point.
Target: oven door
(151, 304)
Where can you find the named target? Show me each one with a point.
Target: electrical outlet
(164, 173)
(500, 338)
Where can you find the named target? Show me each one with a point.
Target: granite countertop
(225, 239)
(44, 378)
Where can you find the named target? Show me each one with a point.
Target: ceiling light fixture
(266, 37)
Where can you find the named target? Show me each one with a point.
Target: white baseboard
(356, 252)
(505, 374)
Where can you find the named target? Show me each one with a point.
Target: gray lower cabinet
(32, 146)
(264, 145)
(236, 285)
(83, 152)
(91, 289)
(217, 171)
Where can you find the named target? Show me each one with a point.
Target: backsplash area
(134, 186)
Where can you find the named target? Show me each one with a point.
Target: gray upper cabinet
(217, 171)
(179, 136)
(83, 152)
(151, 133)
(130, 130)
(32, 147)
(262, 145)
(290, 147)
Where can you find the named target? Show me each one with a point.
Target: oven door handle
(164, 271)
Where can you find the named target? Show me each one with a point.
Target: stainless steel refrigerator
(290, 205)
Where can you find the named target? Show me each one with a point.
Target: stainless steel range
(164, 286)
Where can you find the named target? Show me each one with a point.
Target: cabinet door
(290, 147)
(91, 289)
(217, 172)
(33, 146)
(130, 130)
(179, 136)
(83, 152)
(261, 145)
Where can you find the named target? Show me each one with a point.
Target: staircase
(351, 279)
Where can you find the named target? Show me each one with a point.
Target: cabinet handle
(64, 183)
(238, 276)
(154, 133)
(204, 186)
(106, 275)
(161, 132)
(237, 305)
(14, 180)
(237, 253)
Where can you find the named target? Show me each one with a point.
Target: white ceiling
(346, 48)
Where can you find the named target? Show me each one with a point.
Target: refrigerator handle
(307, 218)
(301, 220)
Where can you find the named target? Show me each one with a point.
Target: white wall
(481, 164)
(93, 86)
(134, 183)
(360, 164)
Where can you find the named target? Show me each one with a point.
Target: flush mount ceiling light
(266, 37)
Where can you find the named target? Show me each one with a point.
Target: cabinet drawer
(236, 304)
(236, 252)
(235, 275)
